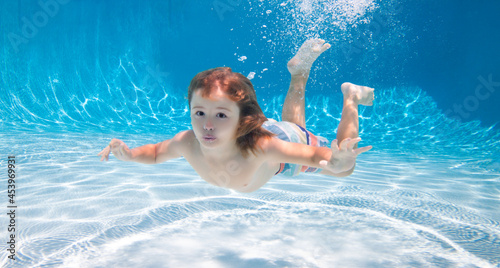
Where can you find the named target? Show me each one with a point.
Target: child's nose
(208, 125)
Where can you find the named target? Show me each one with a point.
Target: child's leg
(299, 67)
(354, 95)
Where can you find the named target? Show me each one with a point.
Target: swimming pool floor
(396, 210)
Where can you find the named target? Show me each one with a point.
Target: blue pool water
(75, 74)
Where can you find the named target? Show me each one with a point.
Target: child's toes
(325, 47)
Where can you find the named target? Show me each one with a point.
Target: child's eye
(221, 115)
(199, 113)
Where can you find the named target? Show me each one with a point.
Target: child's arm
(335, 160)
(146, 154)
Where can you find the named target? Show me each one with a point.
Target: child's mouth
(209, 138)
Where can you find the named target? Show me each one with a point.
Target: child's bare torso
(238, 173)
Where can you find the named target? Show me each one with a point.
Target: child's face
(214, 120)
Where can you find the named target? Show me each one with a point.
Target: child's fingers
(102, 152)
(105, 153)
(353, 142)
(335, 145)
(343, 144)
(363, 149)
(325, 47)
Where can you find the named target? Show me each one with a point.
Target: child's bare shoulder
(268, 144)
(183, 141)
(185, 137)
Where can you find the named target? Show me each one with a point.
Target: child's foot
(309, 51)
(360, 94)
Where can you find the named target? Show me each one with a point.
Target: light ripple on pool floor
(75, 211)
(277, 234)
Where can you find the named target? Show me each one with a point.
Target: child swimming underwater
(233, 145)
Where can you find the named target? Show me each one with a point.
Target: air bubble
(251, 75)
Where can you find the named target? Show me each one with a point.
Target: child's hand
(344, 156)
(119, 149)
